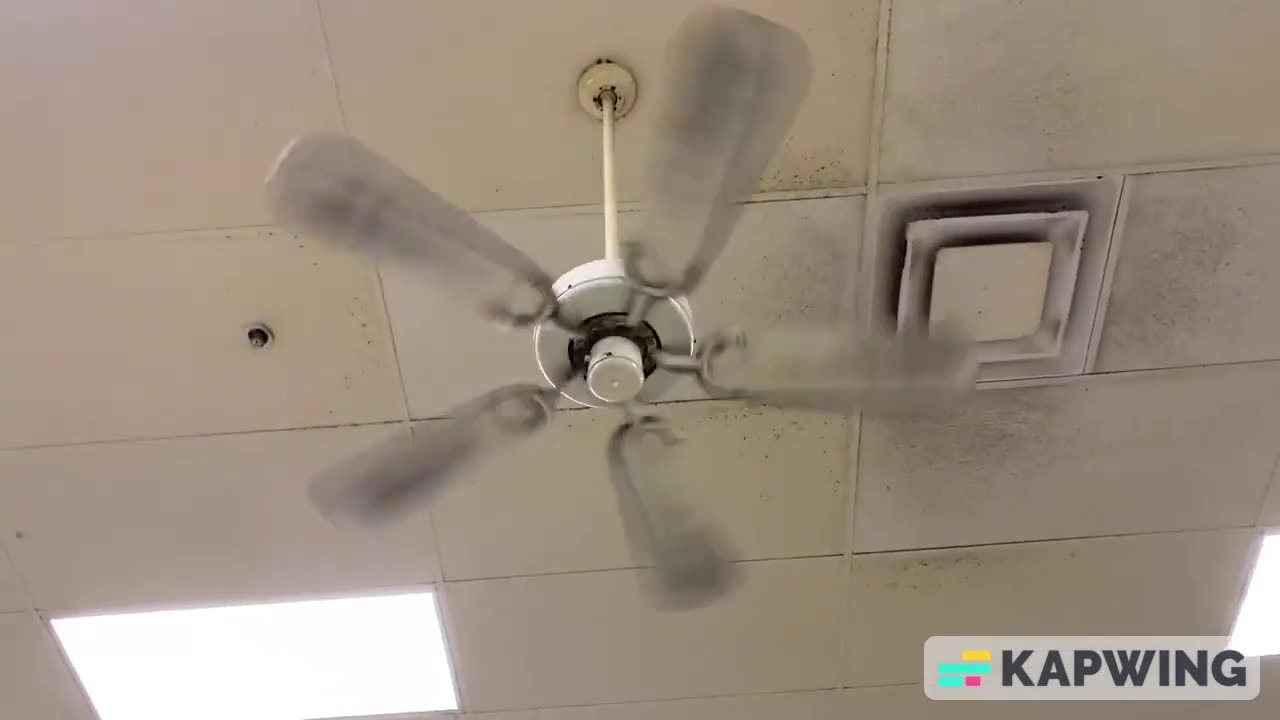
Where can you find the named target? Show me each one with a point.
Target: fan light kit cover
(614, 332)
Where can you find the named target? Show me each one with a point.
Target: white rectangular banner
(1087, 668)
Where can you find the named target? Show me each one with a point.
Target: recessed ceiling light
(280, 661)
(1257, 629)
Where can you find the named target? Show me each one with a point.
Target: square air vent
(1004, 280)
(1018, 269)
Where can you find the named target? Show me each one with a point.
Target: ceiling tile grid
(814, 705)
(153, 458)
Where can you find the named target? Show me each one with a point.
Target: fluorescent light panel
(1257, 628)
(279, 661)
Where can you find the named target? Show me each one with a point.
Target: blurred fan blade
(829, 368)
(735, 82)
(402, 473)
(344, 193)
(690, 565)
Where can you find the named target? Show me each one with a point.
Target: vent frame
(896, 206)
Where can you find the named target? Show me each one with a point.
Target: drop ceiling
(150, 458)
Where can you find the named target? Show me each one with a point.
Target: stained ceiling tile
(908, 702)
(981, 87)
(478, 98)
(1198, 272)
(195, 520)
(34, 681)
(823, 705)
(549, 506)
(1075, 460)
(589, 638)
(786, 261)
(160, 116)
(146, 336)
(1162, 584)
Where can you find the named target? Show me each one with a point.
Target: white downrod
(608, 106)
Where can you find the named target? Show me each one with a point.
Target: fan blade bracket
(678, 364)
(391, 478)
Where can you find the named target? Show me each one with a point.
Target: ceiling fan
(615, 332)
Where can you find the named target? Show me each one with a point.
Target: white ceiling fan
(614, 332)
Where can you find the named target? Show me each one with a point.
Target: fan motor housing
(595, 296)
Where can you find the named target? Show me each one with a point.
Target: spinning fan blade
(344, 193)
(399, 474)
(689, 563)
(736, 81)
(826, 367)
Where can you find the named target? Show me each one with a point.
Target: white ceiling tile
(195, 520)
(908, 702)
(477, 98)
(163, 116)
(979, 87)
(787, 261)
(588, 638)
(12, 596)
(1185, 449)
(822, 705)
(1198, 271)
(145, 336)
(548, 506)
(1162, 584)
(34, 681)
